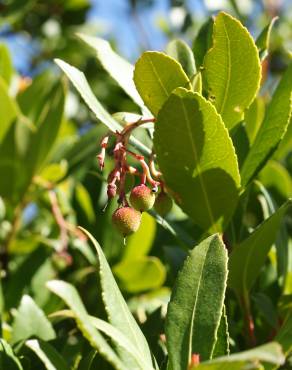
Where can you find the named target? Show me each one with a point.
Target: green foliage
(196, 304)
(272, 129)
(152, 80)
(195, 164)
(191, 123)
(231, 69)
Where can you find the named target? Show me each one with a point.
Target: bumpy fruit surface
(126, 220)
(163, 204)
(142, 198)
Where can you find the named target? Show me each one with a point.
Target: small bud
(127, 220)
(163, 204)
(142, 198)
(111, 191)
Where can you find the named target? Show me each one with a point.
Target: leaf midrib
(195, 305)
(199, 170)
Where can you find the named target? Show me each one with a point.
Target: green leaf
(156, 75)
(253, 118)
(197, 159)
(119, 69)
(70, 296)
(196, 304)
(118, 312)
(232, 69)
(247, 258)
(6, 66)
(203, 41)
(30, 321)
(275, 175)
(140, 243)
(272, 129)
(47, 354)
(84, 200)
(8, 360)
(54, 172)
(8, 109)
(222, 343)
(181, 52)
(263, 40)
(267, 353)
(114, 334)
(80, 83)
(140, 274)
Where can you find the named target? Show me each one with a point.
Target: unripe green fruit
(126, 220)
(142, 198)
(163, 204)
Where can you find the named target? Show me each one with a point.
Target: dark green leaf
(196, 304)
(197, 159)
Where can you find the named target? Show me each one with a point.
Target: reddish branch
(117, 177)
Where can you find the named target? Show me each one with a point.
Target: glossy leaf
(263, 40)
(30, 321)
(232, 69)
(272, 129)
(120, 69)
(196, 304)
(51, 359)
(118, 312)
(80, 83)
(156, 75)
(181, 52)
(70, 296)
(248, 257)
(197, 159)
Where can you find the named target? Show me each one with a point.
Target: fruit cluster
(127, 217)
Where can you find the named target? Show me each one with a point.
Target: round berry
(142, 198)
(163, 204)
(126, 220)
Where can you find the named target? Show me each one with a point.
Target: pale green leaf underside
(80, 83)
(30, 321)
(121, 70)
(272, 129)
(268, 353)
(231, 69)
(114, 334)
(70, 296)
(197, 159)
(248, 257)
(221, 347)
(156, 75)
(196, 303)
(118, 312)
